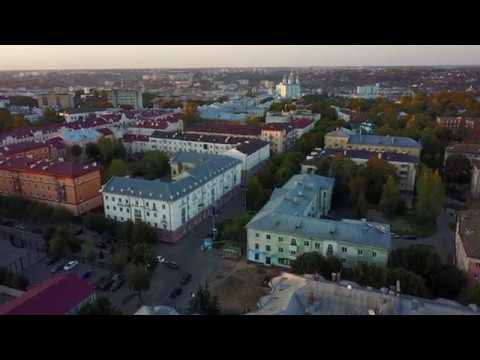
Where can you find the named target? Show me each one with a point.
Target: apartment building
(470, 151)
(131, 97)
(341, 139)
(58, 183)
(199, 183)
(290, 225)
(406, 165)
(280, 136)
(467, 244)
(55, 101)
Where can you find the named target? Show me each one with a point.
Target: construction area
(239, 285)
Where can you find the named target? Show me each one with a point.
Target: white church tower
(289, 88)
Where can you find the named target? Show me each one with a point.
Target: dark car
(117, 284)
(78, 232)
(105, 283)
(175, 293)
(51, 261)
(37, 231)
(172, 265)
(101, 245)
(85, 275)
(409, 237)
(186, 278)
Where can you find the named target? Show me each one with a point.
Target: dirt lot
(239, 286)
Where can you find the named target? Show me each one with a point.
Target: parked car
(101, 245)
(78, 232)
(186, 278)
(70, 265)
(117, 284)
(85, 275)
(409, 237)
(117, 276)
(161, 259)
(57, 268)
(20, 226)
(171, 264)
(105, 283)
(175, 293)
(395, 236)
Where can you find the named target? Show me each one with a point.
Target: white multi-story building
(368, 91)
(200, 182)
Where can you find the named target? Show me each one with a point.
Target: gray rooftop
(207, 167)
(286, 213)
(383, 140)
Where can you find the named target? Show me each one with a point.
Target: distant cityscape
(259, 191)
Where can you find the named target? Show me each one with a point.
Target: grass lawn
(406, 226)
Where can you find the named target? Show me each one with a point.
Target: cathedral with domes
(289, 88)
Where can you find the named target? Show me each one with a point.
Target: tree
(370, 275)
(76, 151)
(119, 261)
(88, 251)
(51, 116)
(105, 145)
(118, 150)
(448, 282)
(255, 194)
(423, 260)
(6, 121)
(233, 230)
(101, 306)
(138, 279)
(410, 283)
(60, 242)
(92, 151)
(155, 165)
(190, 113)
(378, 171)
(19, 121)
(142, 254)
(117, 167)
(458, 169)
(391, 199)
(472, 295)
(308, 263)
(430, 195)
(96, 222)
(255, 120)
(203, 303)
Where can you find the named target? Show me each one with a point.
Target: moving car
(171, 264)
(70, 265)
(101, 245)
(175, 293)
(186, 278)
(161, 259)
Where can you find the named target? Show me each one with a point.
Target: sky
(32, 57)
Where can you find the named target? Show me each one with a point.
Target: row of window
(121, 218)
(317, 246)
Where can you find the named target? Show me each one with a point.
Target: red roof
(105, 131)
(56, 296)
(21, 147)
(277, 127)
(300, 123)
(47, 167)
(131, 138)
(221, 128)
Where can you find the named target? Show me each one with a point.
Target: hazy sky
(13, 57)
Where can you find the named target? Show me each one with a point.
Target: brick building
(467, 244)
(57, 183)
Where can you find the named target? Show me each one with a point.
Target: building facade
(290, 225)
(55, 101)
(406, 165)
(280, 136)
(199, 183)
(467, 244)
(475, 180)
(119, 97)
(289, 88)
(74, 187)
(341, 139)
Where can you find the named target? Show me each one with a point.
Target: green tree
(142, 254)
(233, 230)
(96, 222)
(88, 251)
(92, 151)
(105, 145)
(138, 279)
(19, 121)
(117, 167)
(472, 295)
(190, 113)
(458, 169)
(76, 151)
(370, 275)
(101, 306)
(308, 263)
(448, 282)
(255, 120)
(430, 195)
(6, 120)
(118, 150)
(203, 303)
(410, 283)
(60, 242)
(155, 165)
(391, 199)
(255, 194)
(119, 261)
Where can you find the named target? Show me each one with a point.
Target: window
(280, 238)
(106, 197)
(306, 243)
(121, 209)
(256, 246)
(329, 250)
(257, 235)
(317, 246)
(128, 210)
(374, 253)
(148, 214)
(344, 249)
(114, 208)
(155, 214)
(360, 252)
(163, 206)
(257, 257)
(293, 242)
(268, 236)
(280, 250)
(293, 252)
(108, 207)
(267, 247)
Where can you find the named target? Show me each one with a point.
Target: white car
(70, 265)
(161, 259)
